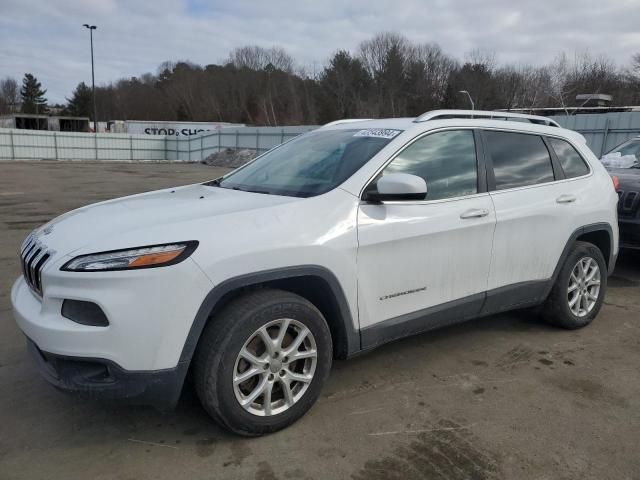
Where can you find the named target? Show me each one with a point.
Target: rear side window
(572, 163)
(519, 159)
(446, 161)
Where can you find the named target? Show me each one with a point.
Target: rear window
(572, 163)
(519, 159)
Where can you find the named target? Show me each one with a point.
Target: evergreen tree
(79, 105)
(344, 87)
(32, 95)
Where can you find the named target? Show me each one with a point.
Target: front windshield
(626, 155)
(310, 164)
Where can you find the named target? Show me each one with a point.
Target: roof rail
(447, 114)
(346, 120)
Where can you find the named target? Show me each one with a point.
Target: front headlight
(132, 258)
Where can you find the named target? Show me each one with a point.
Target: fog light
(84, 313)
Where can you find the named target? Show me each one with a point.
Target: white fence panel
(147, 148)
(72, 146)
(6, 142)
(114, 147)
(33, 145)
(602, 131)
(16, 144)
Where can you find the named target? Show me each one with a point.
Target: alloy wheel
(275, 367)
(584, 287)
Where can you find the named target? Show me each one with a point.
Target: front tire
(578, 293)
(262, 362)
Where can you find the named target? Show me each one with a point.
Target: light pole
(473, 106)
(93, 79)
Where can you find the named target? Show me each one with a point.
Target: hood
(175, 206)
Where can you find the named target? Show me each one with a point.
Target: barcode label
(378, 133)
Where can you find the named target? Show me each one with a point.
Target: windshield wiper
(213, 183)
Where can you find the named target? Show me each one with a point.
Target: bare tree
(477, 76)
(387, 75)
(535, 82)
(385, 57)
(479, 56)
(258, 58)
(582, 74)
(9, 95)
(374, 53)
(432, 68)
(557, 73)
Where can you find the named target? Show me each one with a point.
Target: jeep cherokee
(344, 238)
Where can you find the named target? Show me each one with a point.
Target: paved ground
(503, 397)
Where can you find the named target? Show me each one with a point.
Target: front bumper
(104, 380)
(149, 311)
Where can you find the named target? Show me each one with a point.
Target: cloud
(46, 37)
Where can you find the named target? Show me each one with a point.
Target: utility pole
(93, 79)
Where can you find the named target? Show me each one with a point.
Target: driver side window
(445, 160)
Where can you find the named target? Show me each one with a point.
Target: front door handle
(474, 213)
(566, 199)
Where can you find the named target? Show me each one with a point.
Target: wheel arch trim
(577, 233)
(351, 335)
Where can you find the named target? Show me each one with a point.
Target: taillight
(616, 182)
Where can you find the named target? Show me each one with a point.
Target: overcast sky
(46, 37)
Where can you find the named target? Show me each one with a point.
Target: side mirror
(396, 186)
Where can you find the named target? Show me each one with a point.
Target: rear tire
(578, 292)
(250, 375)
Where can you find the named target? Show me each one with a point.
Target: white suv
(347, 237)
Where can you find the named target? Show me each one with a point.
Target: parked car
(623, 162)
(340, 240)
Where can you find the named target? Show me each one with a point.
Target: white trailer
(177, 129)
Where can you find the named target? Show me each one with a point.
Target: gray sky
(46, 37)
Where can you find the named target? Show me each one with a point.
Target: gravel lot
(502, 397)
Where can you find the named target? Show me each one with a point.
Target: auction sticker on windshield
(378, 133)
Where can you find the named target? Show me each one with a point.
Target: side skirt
(421, 321)
(520, 295)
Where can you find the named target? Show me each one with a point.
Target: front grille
(628, 203)
(33, 257)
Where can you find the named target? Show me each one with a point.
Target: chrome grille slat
(33, 257)
(24, 259)
(34, 261)
(27, 241)
(39, 266)
(29, 261)
(28, 249)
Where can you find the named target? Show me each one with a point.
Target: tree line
(387, 76)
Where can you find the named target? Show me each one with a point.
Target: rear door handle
(566, 199)
(474, 213)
